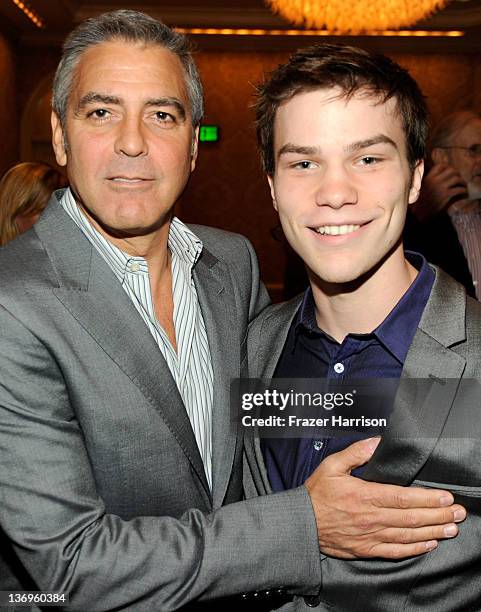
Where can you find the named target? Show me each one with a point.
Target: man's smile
(336, 230)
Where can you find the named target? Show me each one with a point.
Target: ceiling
(61, 15)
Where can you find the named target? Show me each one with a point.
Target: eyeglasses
(472, 151)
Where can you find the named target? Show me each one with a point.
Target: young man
(342, 135)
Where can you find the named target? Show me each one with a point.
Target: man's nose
(336, 188)
(131, 140)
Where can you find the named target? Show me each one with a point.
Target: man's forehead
(471, 131)
(117, 54)
(329, 95)
(117, 68)
(381, 123)
(377, 107)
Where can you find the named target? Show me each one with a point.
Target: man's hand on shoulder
(360, 519)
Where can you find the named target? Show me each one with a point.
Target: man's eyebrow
(94, 97)
(369, 142)
(297, 149)
(353, 147)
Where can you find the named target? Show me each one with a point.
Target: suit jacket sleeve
(54, 516)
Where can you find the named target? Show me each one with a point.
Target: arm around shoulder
(56, 520)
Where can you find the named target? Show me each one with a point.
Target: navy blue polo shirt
(311, 353)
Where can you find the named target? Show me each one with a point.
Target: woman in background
(24, 192)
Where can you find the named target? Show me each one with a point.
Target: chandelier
(355, 16)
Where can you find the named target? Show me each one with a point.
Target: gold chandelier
(355, 16)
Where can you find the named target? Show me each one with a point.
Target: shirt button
(135, 267)
(338, 368)
(318, 444)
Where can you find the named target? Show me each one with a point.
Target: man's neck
(154, 248)
(361, 307)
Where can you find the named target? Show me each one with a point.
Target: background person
(445, 224)
(25, 190)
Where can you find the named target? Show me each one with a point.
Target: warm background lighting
(355, 16)
(30, 13)
(260, 32)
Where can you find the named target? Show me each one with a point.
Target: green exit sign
(209, 133)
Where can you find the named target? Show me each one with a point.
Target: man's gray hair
(128, 26)
(445, 131)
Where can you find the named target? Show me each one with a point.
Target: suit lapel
(422, 406)
(218, 309)
(92, 294)
(426, 393)
(272, 336)
(268, 341)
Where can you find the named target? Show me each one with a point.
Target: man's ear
(194, 151)
(416, 181)
(270, 180)
(440, 156)
(58, 140)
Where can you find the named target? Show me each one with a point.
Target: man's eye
(303, 165)
(164, 117)
(475, 150)
(99, 113)
(369, 160)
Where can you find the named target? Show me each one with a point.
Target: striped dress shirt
(191, 366)
(468, 228)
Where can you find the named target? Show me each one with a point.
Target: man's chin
(126, 226)
(474, 188)
(336, 279)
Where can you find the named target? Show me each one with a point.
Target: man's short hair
(353, 71)
(445, 131)
(127, 26)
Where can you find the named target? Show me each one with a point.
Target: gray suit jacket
(102, 489)
(434, 441)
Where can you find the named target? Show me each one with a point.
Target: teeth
(337, 230)
(126, 180)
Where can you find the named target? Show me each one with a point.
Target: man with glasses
(446, 222)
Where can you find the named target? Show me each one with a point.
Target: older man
(445, 224)
(121, 330)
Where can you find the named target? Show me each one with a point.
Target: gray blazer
(102, 489)
(431, 442)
